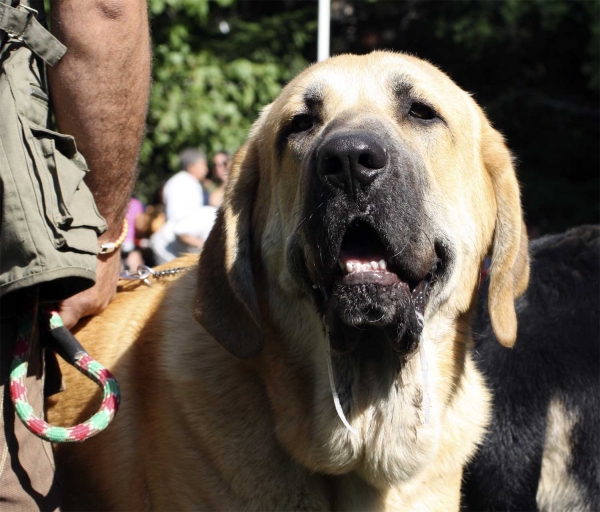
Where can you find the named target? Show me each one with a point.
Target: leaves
(208, 86)
(534, 66)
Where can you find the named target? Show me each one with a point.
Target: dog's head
(381, 185)
(363, 205)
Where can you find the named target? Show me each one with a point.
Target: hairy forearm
(100, 93)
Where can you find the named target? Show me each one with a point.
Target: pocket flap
(70, 205)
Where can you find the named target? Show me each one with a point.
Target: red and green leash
(62, 341)
(69, 348)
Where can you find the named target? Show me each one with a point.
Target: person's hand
(95, 299)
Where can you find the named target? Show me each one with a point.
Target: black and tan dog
(319, 357)
(542, 446)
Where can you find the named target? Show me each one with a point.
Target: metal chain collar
(143, 273)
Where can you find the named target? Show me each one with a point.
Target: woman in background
(220, 172)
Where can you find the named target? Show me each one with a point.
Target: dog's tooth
(366, 267)
(382, 265)
(350, 267)
(374, 265)
(341, 264)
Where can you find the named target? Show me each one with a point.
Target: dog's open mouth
(364, 259)
(374, 288)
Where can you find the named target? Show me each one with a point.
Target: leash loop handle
(70, 349)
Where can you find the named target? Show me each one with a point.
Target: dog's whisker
(315, 211)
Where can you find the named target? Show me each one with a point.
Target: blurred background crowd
(533, 65)
(181, 213)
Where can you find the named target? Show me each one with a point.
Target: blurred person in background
(154, 216)
(130, 251)
(188, 219)
(220, 172)
(183, 193)
(151, 220)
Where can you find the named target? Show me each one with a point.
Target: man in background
(183, 193)
(189, 220)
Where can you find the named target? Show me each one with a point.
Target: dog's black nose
(351, 161)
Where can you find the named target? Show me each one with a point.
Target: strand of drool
(336, 398)
(424, 372)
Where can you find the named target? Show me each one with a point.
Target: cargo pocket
(68, 204)
(27, 86)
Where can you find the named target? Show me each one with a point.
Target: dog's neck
(306, 423)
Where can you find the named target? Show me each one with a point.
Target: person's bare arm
(100, 91)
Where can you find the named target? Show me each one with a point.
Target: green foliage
(477, 26)
(542, 92)
(209, 86)
(532, 64)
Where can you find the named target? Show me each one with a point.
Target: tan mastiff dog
(318, 357)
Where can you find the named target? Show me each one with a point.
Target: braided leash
(70, 349)
(67, 346)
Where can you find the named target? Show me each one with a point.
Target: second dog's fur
(541, 449)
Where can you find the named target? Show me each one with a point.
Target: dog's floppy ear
(226, 303)
(509, 274)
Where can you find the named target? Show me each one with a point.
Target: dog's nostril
(333, 171)
(369, 165)
(333, 165)
(372, 160)
(366, 160)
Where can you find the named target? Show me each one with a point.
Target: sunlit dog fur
(226, 398)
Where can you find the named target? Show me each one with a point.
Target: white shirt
(186, 215)
(165, 243)
(183, 195)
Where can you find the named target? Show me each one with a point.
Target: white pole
(324, 23)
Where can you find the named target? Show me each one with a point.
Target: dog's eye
(301, 123)
(422, 111)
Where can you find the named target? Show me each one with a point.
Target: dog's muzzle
(369, 253)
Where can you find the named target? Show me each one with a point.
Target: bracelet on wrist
(110, 247)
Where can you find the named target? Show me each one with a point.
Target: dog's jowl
(319, 355)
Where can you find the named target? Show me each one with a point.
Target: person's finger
(70, 314)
